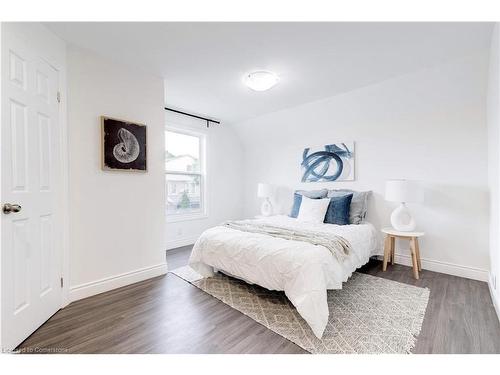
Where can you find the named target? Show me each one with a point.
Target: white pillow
(313, 210)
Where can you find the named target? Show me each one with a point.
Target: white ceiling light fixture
(261, 80)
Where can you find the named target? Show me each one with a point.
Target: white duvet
(302, 270)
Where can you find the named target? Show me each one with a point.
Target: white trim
(64, 165)
(1, 194)
(445, 267)
(186, 217)
(173, 244)
(103, 285)
(494, 299)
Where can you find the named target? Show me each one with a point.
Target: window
(184, 174)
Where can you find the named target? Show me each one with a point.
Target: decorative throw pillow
(313, 210)
(359, 203)
(297, 198)
(338, 210)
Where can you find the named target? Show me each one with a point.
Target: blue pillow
(338, 210)
(297, 199)
(359, 203)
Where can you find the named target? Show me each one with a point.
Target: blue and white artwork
(333, 162)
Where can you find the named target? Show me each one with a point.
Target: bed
(302, 270)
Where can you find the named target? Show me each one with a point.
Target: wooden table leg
(414, 257)
(389, 253)
(417, 250)
(387, 247)
(393, 249)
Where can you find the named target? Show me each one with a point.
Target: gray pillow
(359, 203)
(313, 194)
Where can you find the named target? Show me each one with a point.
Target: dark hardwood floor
(168, 315)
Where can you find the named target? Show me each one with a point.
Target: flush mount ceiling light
(260, 80)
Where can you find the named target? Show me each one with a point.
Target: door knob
(8, 208)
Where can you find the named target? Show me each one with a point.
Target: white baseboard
(445, 267)
(180, 242)
(494, 298)
(103, 285)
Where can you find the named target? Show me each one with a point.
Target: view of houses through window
(183, 173)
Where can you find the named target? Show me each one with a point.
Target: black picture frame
(123, 145)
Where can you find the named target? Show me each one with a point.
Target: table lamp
(265, 191)
(403, 191)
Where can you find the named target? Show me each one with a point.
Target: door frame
(54, 53)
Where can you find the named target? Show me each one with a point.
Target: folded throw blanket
(337, 245)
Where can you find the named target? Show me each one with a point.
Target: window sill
(186, 217)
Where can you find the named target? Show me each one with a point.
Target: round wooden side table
(389, 248)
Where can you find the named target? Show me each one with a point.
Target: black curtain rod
(208, 120)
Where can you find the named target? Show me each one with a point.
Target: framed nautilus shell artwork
(333, 162)
(123, 145)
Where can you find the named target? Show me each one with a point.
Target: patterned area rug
(370, 315)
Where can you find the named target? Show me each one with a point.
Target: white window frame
(203, 214)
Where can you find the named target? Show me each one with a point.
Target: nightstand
(389, 247)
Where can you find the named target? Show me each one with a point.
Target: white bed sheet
(302, 270)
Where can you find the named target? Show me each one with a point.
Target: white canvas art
(333, 162)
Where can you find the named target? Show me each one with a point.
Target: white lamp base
(267, 208)
(402, 220)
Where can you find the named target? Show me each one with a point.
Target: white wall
(428, 126)
(224, 180)
(116, 218)
(493, 120)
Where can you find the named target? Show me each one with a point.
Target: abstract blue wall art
(334, 162)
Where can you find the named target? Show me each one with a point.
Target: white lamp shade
(403, 191)
(264, 190)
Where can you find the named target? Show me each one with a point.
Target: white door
(30, 147)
